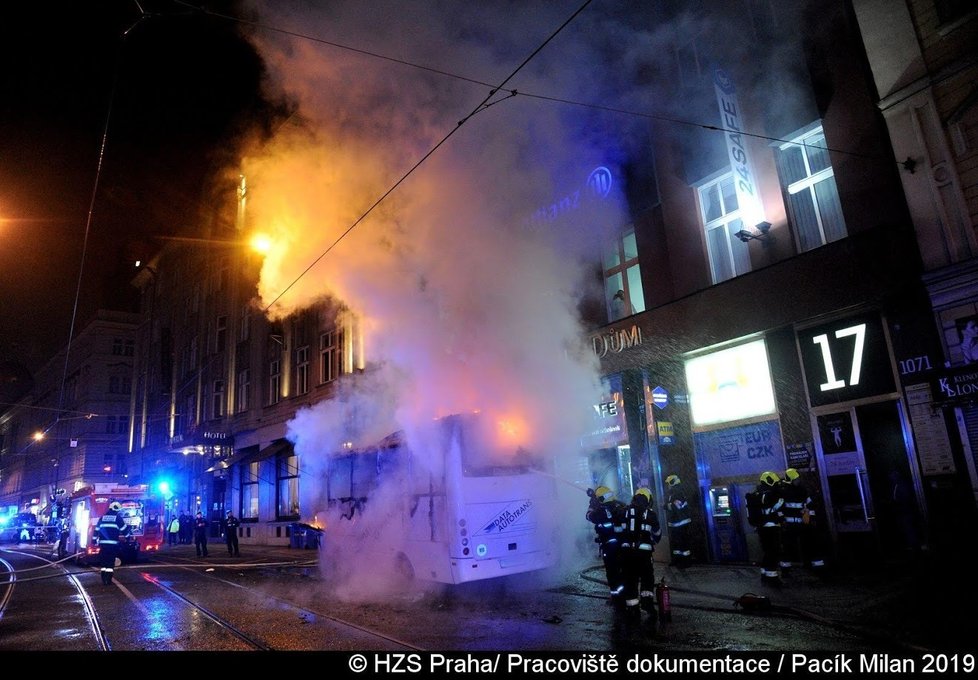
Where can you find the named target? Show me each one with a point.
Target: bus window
(364, 474)
(340, 478)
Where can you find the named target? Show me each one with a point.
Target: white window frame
(803, 139)
(302, 370)
(217, 399)
(274, 381)
(623, 272)
(330, 355)
(730, 221)
(243, 389)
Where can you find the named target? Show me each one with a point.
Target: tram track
(88, 605)
(302, 610)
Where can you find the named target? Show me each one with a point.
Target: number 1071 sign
(846, 359)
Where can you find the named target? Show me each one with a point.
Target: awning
(253, 454)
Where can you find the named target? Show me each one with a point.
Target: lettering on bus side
(507, 517)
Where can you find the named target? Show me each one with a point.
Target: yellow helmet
(645, 492)
(791, 474)
(604, 494)
(672, 480)
(770, 478)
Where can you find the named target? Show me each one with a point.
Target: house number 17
(832, 382)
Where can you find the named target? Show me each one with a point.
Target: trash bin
(297, 535)
(314, 538)
(304, 536)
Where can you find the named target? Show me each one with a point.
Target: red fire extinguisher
(662, 598)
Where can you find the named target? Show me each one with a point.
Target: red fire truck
(142, 511)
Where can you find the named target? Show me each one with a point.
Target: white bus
(460, 508)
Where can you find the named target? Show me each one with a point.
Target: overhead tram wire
(91, 213)
(483, 105)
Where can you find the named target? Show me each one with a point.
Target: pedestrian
(770, 501)
(200, 535)
(231, 525)
(607, 515)
(679, 520)
(186, 528)
(799, 537)
(111, 529)
(640, 534)
(173, 530)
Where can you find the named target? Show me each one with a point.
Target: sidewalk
(930, 605)
(217, 550)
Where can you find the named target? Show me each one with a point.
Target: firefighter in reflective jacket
(607, 515)
(641, 533)
(799, 538)
(111, 529)
(679, 522)
(769, 531)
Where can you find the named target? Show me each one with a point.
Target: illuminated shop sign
(608, 417)
(740, 450)
(730, 385)
(846, 359)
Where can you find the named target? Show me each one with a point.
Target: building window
(274, 381)
(622, 278)
(720, 213)
(188, 418)
(244, 332)
(220, 337)
(120, 384)
(249, 491)
(302, 370)
(287, 505)
(217, 405)
(242, 389)
(224, 275)
(330, 356)
(813, 198)
(116, 424)
(123, 348)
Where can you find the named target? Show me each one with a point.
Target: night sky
(186, 88)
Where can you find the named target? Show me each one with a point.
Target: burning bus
(141, 510)
(465, 506)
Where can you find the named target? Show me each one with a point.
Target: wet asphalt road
(277, 600)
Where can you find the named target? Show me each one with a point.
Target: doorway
(867, 480)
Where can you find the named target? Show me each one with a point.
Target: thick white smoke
(466, 302)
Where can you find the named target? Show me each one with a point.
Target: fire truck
(142, 511)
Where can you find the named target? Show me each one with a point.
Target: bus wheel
(403, 570)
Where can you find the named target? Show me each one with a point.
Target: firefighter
(111, 530)
(679, 521)
(799, 537)
(641, 533)
(769, 527)
(607, 514)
